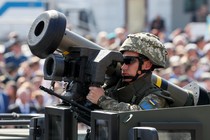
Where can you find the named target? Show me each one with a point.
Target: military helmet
(147, 45)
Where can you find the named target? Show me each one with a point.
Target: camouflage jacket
(140, 95)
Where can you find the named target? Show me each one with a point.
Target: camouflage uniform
(141, 94)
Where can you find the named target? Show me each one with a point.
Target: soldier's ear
(139, 72)
(147, 65)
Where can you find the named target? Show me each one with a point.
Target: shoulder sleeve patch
(147, 105)
(151, 102)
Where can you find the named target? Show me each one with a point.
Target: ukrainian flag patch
(147, 104)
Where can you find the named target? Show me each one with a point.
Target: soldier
(142, 52)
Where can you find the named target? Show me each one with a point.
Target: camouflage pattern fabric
(149, 102)
(148, 45)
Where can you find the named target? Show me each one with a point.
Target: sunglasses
(129, 59)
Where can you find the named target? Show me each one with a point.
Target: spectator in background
(26, 50)
(22, 104)
(14, 52)
(29, 85)
(190, 71)
(206, 58)
(200, 14)
(158, 23)
(200, 42)
(4, 102)
(170, 50)
(205, 80)
(165, 74)
(174, 33)
(37, 81)
(112, 45)
(25, 70)
(187, 32)
(191, 51)
(2, 51)
(102, 39)
(177, 67)
(120, 35)
(28, 68)
(180, 39)
(34, 63)
(180, 51)
(11, 73)
(38, 100)
(11, 90)
(2, 61)
(21, 80)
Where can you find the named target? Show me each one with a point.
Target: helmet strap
(139, 69)
(133, 78)
(141, 61)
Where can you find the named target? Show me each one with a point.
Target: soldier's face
(130, 65)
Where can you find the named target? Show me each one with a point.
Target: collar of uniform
(142, 84)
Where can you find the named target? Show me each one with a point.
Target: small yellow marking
(159, 81)
(152, 102)
(65, 53)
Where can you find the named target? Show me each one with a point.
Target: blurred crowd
(21, 72)
(21, 75)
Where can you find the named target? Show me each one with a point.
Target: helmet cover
(148, 45)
